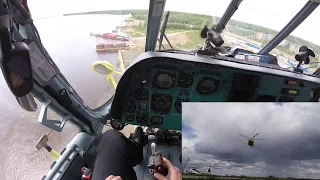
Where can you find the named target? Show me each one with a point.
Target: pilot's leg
(116, 155)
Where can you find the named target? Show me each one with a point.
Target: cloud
(189, 131)
(290, 131)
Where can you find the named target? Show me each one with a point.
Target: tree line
(189, 21)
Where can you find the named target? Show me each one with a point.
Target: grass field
(242, 177)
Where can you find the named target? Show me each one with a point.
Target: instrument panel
(154, 91)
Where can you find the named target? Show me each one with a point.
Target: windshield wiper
(308, 8)
(232, 8)
(162, 32)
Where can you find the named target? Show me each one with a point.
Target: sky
(210, 134)
(273, 14)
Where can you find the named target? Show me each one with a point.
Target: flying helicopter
(176, 76)
(251, 140)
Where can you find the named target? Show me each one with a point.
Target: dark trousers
(116, 155)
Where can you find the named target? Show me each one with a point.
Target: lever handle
(153, 148)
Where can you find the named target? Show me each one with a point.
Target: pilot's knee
(112, 134)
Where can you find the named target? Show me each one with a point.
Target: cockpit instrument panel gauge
(156, 120)
(130, 107)
(142, 94)
(142, 118)
(207, 85)
(161, 103)
(178, 104)
(185, 80)
(164, 80)
(129, 117)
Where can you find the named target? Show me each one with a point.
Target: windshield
(255, 141)
(79, 34)
(251, 27)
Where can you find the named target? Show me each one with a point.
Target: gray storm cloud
(291, 131)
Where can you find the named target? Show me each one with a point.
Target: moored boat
(112, 47)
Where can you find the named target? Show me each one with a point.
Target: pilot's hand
(174, 172)
(112, 177)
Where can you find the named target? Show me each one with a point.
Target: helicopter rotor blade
(244, 136)
(255, 135)
(259, 139)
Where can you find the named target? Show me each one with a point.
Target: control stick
(156, 164)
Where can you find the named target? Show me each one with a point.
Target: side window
(76, 41)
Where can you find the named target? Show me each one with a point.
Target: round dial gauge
(207, 86)
(142, 118)
(129, 117)
(130, 107)
(164, 80)
(178, 104)
(161, 103)
(141, 94)
(185, 80)
(156, 120)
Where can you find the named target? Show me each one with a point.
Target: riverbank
(179, 39)
(180, 22)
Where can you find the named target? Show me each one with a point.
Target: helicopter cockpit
(151, 91)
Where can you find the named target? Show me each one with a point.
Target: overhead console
(152, 90)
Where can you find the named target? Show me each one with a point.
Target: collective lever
(153, 149)
(156, 163)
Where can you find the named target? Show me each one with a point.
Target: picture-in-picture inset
(251, 140)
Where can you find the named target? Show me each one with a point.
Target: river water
(69, 43)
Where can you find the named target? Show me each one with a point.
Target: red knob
(117, 126)
(159, 168)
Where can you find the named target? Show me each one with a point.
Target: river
(70, 45)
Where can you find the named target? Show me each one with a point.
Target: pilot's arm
(174, 172)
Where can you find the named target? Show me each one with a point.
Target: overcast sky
(273, 14)
(291, 149)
